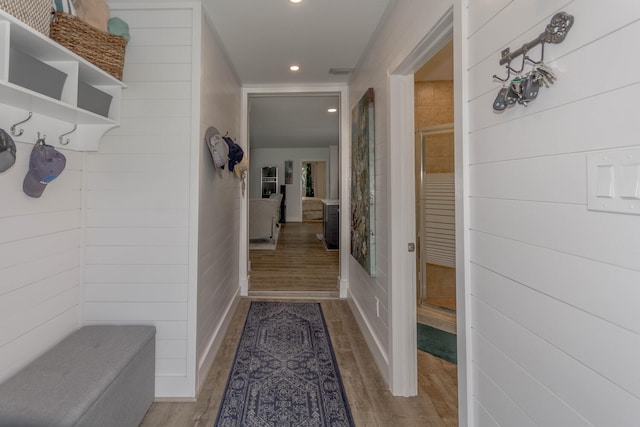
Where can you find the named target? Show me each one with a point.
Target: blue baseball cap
(45, 164)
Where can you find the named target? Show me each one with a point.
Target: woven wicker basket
(102, 49)
(34, 13)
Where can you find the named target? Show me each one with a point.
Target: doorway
(314, 179)
(313, 175)
(403, 369)
(278, 134)
(435, 200)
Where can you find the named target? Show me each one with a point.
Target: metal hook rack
(555, 32)
(60, 139)
(506, 79)
(510, 69)
(518, 72)
(525, 86)
(541, 61)
(13, 128)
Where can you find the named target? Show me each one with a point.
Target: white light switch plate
(613, 181)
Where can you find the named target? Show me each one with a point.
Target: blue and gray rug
(285, 372)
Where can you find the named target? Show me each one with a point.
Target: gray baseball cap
(217, 146)
(45, 164)
(7, 151)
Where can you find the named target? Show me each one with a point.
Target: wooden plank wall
(554, 287)
(138, 196)
(39, 260)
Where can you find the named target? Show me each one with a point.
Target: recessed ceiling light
(295, 1)
(332, 110)
(294, 68)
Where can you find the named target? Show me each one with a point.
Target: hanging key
(548, 71)
(516, 86)
(512, 97)
(501, 103)
(539, 78)
(530, 87)
(543, 78)
(548, 75)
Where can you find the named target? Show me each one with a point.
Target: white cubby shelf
(51, 116)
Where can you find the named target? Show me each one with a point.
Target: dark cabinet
(331, 223)
(283, 204)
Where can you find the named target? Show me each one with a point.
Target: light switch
(630, 181)
(613, 181)
(604, 181)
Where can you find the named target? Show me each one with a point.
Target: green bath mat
(439, 343)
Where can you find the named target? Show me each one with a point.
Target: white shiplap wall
(138, 224)
(159, 231)
(218, 205)
(39, 261)
(554, 287)
(405, 25)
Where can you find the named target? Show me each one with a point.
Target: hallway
(371, 403)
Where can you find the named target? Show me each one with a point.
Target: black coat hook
(506, 79)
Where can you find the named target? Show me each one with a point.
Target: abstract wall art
(363, 183)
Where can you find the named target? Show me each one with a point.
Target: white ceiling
(264, 37)
(293, 121)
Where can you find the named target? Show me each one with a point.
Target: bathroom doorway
(435, 190)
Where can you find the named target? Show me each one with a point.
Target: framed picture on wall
(363, 183)
(288, 171)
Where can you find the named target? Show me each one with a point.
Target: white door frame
(403, 301)
(403, 374)
(343, 92)
(403, 363)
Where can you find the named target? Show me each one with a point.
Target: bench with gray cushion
(100, 375)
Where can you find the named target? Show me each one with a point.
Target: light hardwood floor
(370, 401)
(437, 317)
(300, 264)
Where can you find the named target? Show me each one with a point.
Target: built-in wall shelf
(269, 181)
(60, 89)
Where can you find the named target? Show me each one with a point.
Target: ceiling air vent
(340, 71)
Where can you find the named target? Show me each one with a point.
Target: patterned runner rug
(284, 372)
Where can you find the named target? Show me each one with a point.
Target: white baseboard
(175, 399)
(379, 355)
(215, 343)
